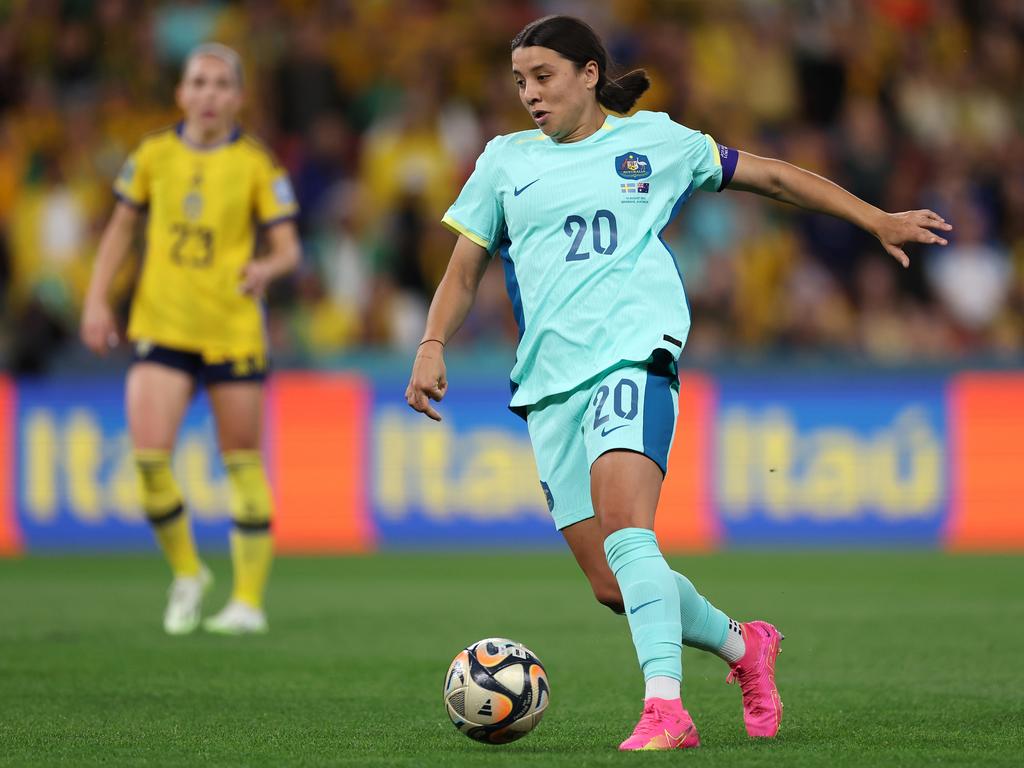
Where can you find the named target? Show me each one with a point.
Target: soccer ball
(496, 690)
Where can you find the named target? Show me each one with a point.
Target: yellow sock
(252, 549)
(251, 555)
(162, 503)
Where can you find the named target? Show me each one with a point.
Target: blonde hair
(219, 51)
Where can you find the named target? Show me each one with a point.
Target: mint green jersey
(578, 228)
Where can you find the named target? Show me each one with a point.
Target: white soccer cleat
(237, 619)
(185, 601)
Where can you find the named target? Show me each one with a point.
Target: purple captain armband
(728, 156)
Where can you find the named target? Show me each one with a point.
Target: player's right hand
(99, 329)
(429, 380)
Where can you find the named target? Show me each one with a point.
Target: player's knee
(161, 499)
(614, 520)
(251, 504)
(609, 596)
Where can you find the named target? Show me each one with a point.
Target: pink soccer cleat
(762, 707)
(664, 724)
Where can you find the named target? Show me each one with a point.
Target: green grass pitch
(890, 659)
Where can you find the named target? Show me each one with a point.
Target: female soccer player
(575, 210)
(197, 320)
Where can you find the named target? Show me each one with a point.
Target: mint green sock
(703, 625)
(651, 598)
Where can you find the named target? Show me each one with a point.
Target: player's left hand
(895, 229)
(256, 277)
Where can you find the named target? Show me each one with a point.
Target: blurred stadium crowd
(378, 110)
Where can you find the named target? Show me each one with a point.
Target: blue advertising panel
(861, 460)
(468, 481)
(831, 460)
(76, 483)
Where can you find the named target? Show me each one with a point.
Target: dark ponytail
(577, 42)
(620, 94)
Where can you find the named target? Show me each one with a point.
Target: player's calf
(165, 511)
(609, 596)
(251, 546)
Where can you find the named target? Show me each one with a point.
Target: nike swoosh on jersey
(644, 605)
(605, 432)
(520, 190)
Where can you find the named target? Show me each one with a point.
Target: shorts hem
(192, 363)
(571, 518)
(633, 449)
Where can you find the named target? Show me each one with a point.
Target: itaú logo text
(829, 473)
(71, 466)
(480, 473)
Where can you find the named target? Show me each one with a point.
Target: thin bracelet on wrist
(437, 340)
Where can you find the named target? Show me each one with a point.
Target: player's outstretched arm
(789, 184)
(284, 255)
(448, 310)
(98, 328)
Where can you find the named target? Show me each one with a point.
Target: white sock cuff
(662, 687)
(734, 647)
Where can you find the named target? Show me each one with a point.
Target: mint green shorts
(631, 407)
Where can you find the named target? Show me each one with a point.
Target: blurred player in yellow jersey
(197, 320)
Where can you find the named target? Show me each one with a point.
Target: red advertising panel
(685, 519)
(987, 438)
(318, 448)
(10, 539)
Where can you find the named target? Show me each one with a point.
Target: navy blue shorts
(205, 372)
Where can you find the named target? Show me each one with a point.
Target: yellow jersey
(205, 205)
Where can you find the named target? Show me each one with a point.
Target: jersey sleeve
(132, 184)
(711, 164)
(275, 200)
(477, 213)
